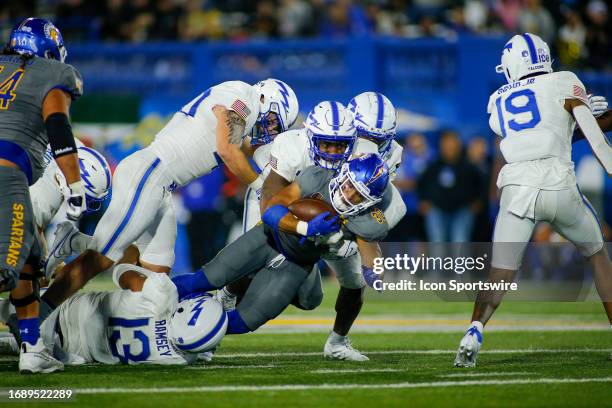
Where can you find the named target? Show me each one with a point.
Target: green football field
(535, 354)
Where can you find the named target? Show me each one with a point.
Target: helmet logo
(283, 91)
(525, 53)
(52, 33)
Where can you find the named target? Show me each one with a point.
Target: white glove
(599, 105)
(75, 200)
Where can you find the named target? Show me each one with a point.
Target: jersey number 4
(8, 86)
(513, 107)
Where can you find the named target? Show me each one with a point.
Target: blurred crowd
(579, 30)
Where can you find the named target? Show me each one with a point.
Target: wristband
(302, 228)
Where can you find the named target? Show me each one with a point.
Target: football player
(206, 132)
(282, 251)
(48, 192)
(320, 144)
(38, 88)
(131, 325)
(535, 114)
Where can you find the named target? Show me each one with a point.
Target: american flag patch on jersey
(241, 109)
(274, 162)
(580, 92)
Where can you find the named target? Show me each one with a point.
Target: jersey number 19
(513, 107)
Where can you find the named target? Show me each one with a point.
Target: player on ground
(37, 89)
(136, 324)
(282, 251)
(207, 131)
(535, 114)
(318, 143)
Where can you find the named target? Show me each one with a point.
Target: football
(307, 208)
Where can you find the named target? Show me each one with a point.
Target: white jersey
(187, 144)
(536, 130)
(393, 157)
(119, 326)
(46, 194)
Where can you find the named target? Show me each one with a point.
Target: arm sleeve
(590, 128)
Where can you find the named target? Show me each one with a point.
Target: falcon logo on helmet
(331, 134)
(523, 55)
(278, 111)
(359, 185)
(38, 37)
(375, 119)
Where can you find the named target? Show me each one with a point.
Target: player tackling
(535, 115)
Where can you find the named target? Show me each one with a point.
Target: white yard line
(384, 352)
(298, 387)
(359, 370)
(224, 367)
(489, 374)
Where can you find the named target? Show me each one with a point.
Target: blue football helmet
(330, 123)
(359, 185)
(37, 36)
(277, 113)
(375, 119)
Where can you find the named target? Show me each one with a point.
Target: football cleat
(37, 359)
(227, 299)
(8, 345)
(342, 350)
(61, 249)
(468, 348)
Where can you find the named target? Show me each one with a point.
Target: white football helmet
(330, 122)
(96, 177)
(523, 55)
(198, 324)
(279, 105)
(374, 119)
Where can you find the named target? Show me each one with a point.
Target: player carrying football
(535, 114)
(282, 251)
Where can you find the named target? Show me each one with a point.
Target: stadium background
(141, 60)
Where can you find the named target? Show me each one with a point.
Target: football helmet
(332, 124)
(278, 111)
(198, 324)
(37, 36)
(96, 177)
(374, 119)
(359, 185)
(523, 55)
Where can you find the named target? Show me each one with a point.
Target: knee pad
(32, 297)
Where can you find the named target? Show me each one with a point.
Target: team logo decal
(52, 33)
(378, 215)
